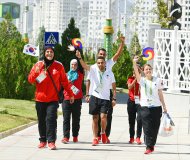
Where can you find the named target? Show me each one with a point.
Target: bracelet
(79, 59)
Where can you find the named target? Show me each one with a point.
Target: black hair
(101, 49)
(100, 57)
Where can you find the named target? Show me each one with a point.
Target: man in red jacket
(46, 95)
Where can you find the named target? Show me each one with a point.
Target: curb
(17, 129)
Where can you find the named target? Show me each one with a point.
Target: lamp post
(108, 32)
(25, 25)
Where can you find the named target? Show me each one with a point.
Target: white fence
(172, 58)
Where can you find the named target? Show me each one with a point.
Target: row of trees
(15, 66)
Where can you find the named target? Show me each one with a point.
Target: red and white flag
(31, 50)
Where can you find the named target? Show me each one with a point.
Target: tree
(61, 51)
(135, 47)
(40, 41)
(14, 65)
(123, 68)
(162, 11)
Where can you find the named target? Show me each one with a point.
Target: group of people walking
(144, 103)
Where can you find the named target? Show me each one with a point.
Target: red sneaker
(138, 140)
(65, 140)
(131, 141)
(75, 139)
(104, 138)
(148, 151)
(51, 146)
(99, 138)
(108, 141)
(42, 145)
(95, 142)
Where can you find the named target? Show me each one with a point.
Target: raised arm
(119, 51)
(83, 64)
(135, 67)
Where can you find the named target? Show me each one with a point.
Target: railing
(172, 58)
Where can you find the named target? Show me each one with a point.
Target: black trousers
(133, 115)
(74, 110)
(47, 120)
(151, 123)
(109, 118)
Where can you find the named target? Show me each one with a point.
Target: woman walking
(152, 102)
(46, 75)
(75, 76)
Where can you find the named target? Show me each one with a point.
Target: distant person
(46, 96)
(133, 108)
(75, 77)
(152, 102)
(109, 64)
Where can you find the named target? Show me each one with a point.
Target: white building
(142, 17)
(121, 12)
(185, 19)
(96, 18)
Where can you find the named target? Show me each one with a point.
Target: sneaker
(104, 138)
(65, 140)
(95, 142)
(42, 145)
(75, 139)
(51, 146)
(99, 138)
(148, 151)
(152, 148)
(138, 140)
(108, 141)
(131, 141)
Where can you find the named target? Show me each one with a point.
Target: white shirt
(106, 80)
(149, 92)
(109, 65)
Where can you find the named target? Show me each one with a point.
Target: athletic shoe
(42, 145)
(95, 142)
(51, 146)
(108, 141)
(65, 140)
(138, 140)
(104, 138)
(75, 139)
(148, 151)
(99, 138)
(131, 141)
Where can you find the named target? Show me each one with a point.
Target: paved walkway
(23, 145)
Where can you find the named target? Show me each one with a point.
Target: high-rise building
(142, 17)
(121, 12)
(96, 18)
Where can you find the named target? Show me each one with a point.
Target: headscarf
(48, 62)
(72, 74)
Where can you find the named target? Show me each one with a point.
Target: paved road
(23, 145)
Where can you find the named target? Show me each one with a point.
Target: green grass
(14, 113)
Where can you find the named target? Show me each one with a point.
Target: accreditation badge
(41, 77)
(137, 100)
(99, 88)
(75, 90)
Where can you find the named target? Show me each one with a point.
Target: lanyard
(146, 88)
(101, 76)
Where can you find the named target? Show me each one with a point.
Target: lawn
(14, 113)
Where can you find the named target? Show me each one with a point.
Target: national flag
(31, 50)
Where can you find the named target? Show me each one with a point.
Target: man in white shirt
(109, 64)
(99, 103)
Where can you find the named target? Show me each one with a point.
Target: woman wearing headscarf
(75, 76)
(46, 95)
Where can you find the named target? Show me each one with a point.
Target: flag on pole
(31, 50)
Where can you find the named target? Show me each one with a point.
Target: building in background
(142, 17)
(121, 12)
